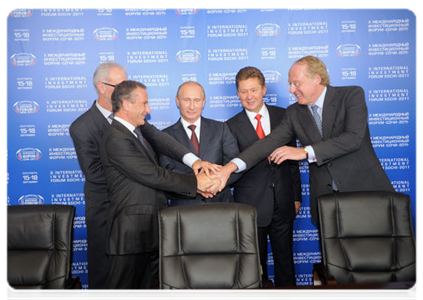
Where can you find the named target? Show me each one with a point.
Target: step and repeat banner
(52, 55)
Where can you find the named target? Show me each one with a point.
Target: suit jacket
(217, 145)
(86, 132)
(344, 154)
(255, 185)
(136, 189)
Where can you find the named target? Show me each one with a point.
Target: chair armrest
(321, 276)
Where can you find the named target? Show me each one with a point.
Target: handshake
(210, 179)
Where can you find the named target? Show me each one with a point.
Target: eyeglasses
(296, 84)
(112, 85)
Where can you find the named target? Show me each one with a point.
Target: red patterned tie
(194, 139)
(259, 128)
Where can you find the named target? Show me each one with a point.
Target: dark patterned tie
(140, 137)
(194, 139)
(318, 122)
(317, 118)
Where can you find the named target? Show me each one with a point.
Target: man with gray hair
(86, 132)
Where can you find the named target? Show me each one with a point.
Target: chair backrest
(209, 246)
(39, 245)
(367, 237)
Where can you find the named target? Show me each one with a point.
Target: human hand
(200, 166)
(224, 173)
(283, 153)
(207, 185)
(297, 207)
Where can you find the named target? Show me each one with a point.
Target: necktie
(317, 118)
(194, 139)
(259, 128)
(140, 137)
(318, 122)
(110, 118)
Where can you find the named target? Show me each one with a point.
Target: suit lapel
(126, 131)
(308, 124)
(205, 134)
(329, 111)
(246, 128)
(181, 135)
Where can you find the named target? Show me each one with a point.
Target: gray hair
(103, 71)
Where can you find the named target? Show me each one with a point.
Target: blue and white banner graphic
(52, 55)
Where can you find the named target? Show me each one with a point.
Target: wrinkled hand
(200, 166)
(281, 154)
(207, 185)
(224, 173)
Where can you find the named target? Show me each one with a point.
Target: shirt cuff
(311, 155)
(240, 164)
(189, 159)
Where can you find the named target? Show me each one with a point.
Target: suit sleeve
(295, 175)
(354, 129)
(230, 150)
(87, 149)
(125, 155)
(163, 143)
(280, 136)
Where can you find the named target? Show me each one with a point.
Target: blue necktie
(318, 122)
(317, 118)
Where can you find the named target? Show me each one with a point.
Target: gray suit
(217, 145)
(345, 154)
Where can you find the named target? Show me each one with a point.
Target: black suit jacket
(344, 154)
(86, 132)
(136, 189)
(217, 145)
(254, 187)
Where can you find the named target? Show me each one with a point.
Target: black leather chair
(366, 237)
(39, 246)
(209, 246)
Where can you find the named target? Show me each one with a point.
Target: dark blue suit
(217, 145)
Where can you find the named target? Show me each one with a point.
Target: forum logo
(349, 50)
(268, 29)
(184, 11)
(188, 56)
(28, 154)
(23, 59)
(272, 76)
(21, 13)
(31, 199)
(105, 34)
(26, 107)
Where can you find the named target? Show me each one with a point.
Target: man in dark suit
(274, 190)
(137, 186)
(338, 146)
(86, 132)
(213, 139)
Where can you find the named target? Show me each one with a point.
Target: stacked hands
(212, 178)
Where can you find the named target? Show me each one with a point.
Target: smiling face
(190, 100)
(137, 107)
(305, 88)
(251, 94)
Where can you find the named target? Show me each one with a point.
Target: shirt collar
(128, 125)
(197, 123)
(264, 112)
(103, 111)
(321, 100)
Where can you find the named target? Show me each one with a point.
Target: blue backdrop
(52, 54)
